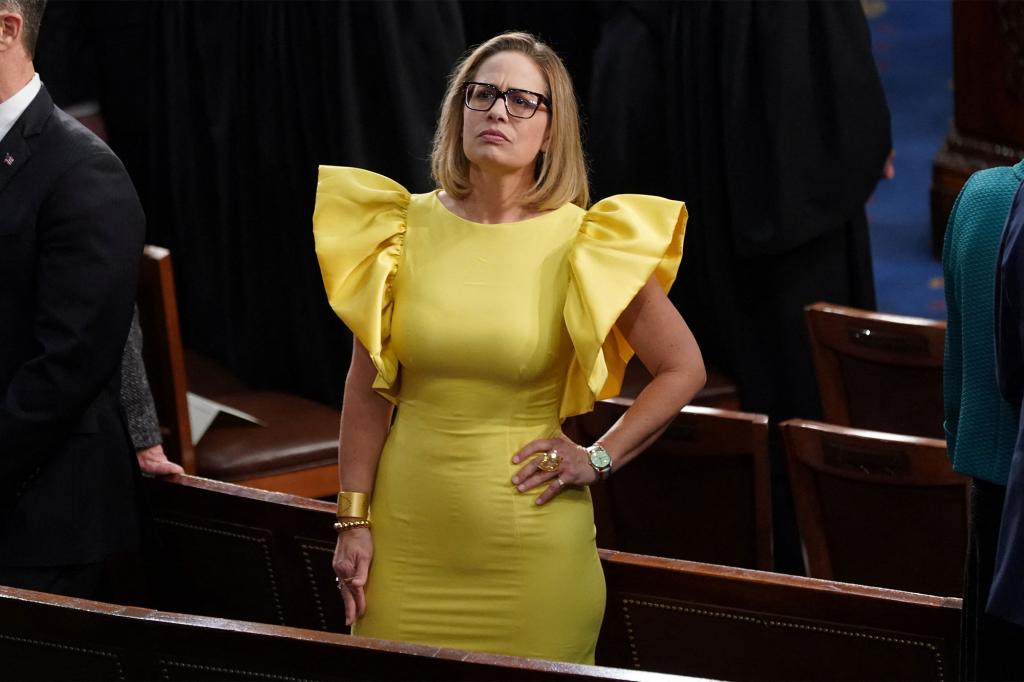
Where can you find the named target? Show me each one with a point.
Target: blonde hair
(561, 176)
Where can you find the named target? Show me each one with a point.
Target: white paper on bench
(202, 411)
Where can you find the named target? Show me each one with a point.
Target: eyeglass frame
(504, 96)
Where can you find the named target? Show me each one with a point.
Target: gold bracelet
(343, 526)
(355, 505)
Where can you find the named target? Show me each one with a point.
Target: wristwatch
(600, 460)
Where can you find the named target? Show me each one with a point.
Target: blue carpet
(912, 43)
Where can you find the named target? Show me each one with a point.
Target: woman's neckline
(533, 219)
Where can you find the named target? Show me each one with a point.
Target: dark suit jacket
(71, 234)
(1006, 597)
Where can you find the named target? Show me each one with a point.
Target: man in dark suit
(71, 234)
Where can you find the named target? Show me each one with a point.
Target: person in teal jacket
(981, 427)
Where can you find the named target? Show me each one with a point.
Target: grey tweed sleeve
(136, 397)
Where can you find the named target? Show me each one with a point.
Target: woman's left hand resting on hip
(574, 467)
(666, 346)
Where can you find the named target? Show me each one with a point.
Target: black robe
(221, 112)
(769, 121)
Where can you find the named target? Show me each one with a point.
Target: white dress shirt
(12, 108)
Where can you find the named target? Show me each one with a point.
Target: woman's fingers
(354, 597)
(536, 479)
(358, 584)
(556, 481)
(525, 473)
(573, 468)
(552, 491)
(352, 557)
(350, 584)
(535, 447)
(350, 603)
(360, 598)
(532, 453)
(351, 593)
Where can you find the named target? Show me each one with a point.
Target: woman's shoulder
(632, 217)
(623, 242)
(997, 184)
(361, 189)
(981, 206)
(356, 182)
(357, 201)
(359, 226)
(358, 214)
(642, 204)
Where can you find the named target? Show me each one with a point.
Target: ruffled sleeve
(359, 227)
(622, 241)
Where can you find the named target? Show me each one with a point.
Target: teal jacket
(981, 427)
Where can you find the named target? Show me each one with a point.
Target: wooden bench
(738, 624)
(235, 552)
(48, 637)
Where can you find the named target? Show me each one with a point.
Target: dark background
(222, 111)
(767, 118)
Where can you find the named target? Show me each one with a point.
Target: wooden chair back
(49, 637)
(296, 449)
(163, 354)
(878, 372)
(876, 508)
(719, 389)
(265, 556)
(701, 492)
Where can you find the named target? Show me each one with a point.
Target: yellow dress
(485, 337)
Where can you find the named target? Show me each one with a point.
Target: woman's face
(494, 141)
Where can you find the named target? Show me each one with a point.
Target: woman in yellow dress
(488, 311)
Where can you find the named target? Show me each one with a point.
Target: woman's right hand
(352, 557)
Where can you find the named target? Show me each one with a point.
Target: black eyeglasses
(518, 103)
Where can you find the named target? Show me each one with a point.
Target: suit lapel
(14, 154)
(14, 148)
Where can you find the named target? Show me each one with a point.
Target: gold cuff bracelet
(355, 505)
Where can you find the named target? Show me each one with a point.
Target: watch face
(599, 458)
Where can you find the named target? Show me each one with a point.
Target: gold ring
(549, 461)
